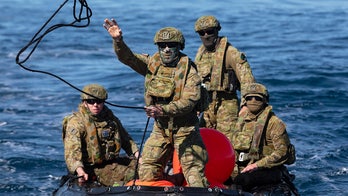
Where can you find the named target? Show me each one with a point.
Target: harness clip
(242, 157)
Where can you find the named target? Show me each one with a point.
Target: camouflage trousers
(222, 115)
(116, 174)
(158, 150)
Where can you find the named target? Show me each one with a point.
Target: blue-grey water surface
(297, 48)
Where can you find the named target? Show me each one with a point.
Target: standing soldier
(93, 137)
(172, 90)
(223, 70)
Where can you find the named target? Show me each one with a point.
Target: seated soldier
(261, 143)
(93, 137)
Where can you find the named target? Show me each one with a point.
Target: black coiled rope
(81, 13)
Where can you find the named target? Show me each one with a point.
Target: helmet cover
(95, 90)
(206, 22)
(255, 88)
(170, 34)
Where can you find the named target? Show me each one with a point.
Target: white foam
(3, 123)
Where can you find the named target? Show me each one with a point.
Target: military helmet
(256, 88)
(95, 90)
(170, 34)
(205, 22)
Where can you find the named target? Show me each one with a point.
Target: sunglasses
(93, 101)
(208, 32)
(257, 98)
(169, 44)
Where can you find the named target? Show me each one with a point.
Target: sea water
(297, 48)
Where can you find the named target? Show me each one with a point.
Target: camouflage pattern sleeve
(72, 144)
(128, 144)
(124, 54)
(277, 142)
(189, 96)
(239, 63)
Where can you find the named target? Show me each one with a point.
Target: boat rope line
(82, 15)
(140, 150)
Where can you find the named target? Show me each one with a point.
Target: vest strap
(262, 123)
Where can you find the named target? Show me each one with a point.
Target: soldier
(93, 137)
(260, 141)
(172, 90)
(223, 70)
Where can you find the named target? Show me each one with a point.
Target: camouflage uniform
(94, 143)
(177, 90)
(223, 71)
(260, 138)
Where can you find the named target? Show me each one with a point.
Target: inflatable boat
(218, 169)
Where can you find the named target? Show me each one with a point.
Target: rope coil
(81, 12)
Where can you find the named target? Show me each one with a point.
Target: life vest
(248, 142)
(100, 136)
(211, 67)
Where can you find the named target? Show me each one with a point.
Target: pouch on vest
(291, 155)
(108, 138)
(161, 87)
(242, 141)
